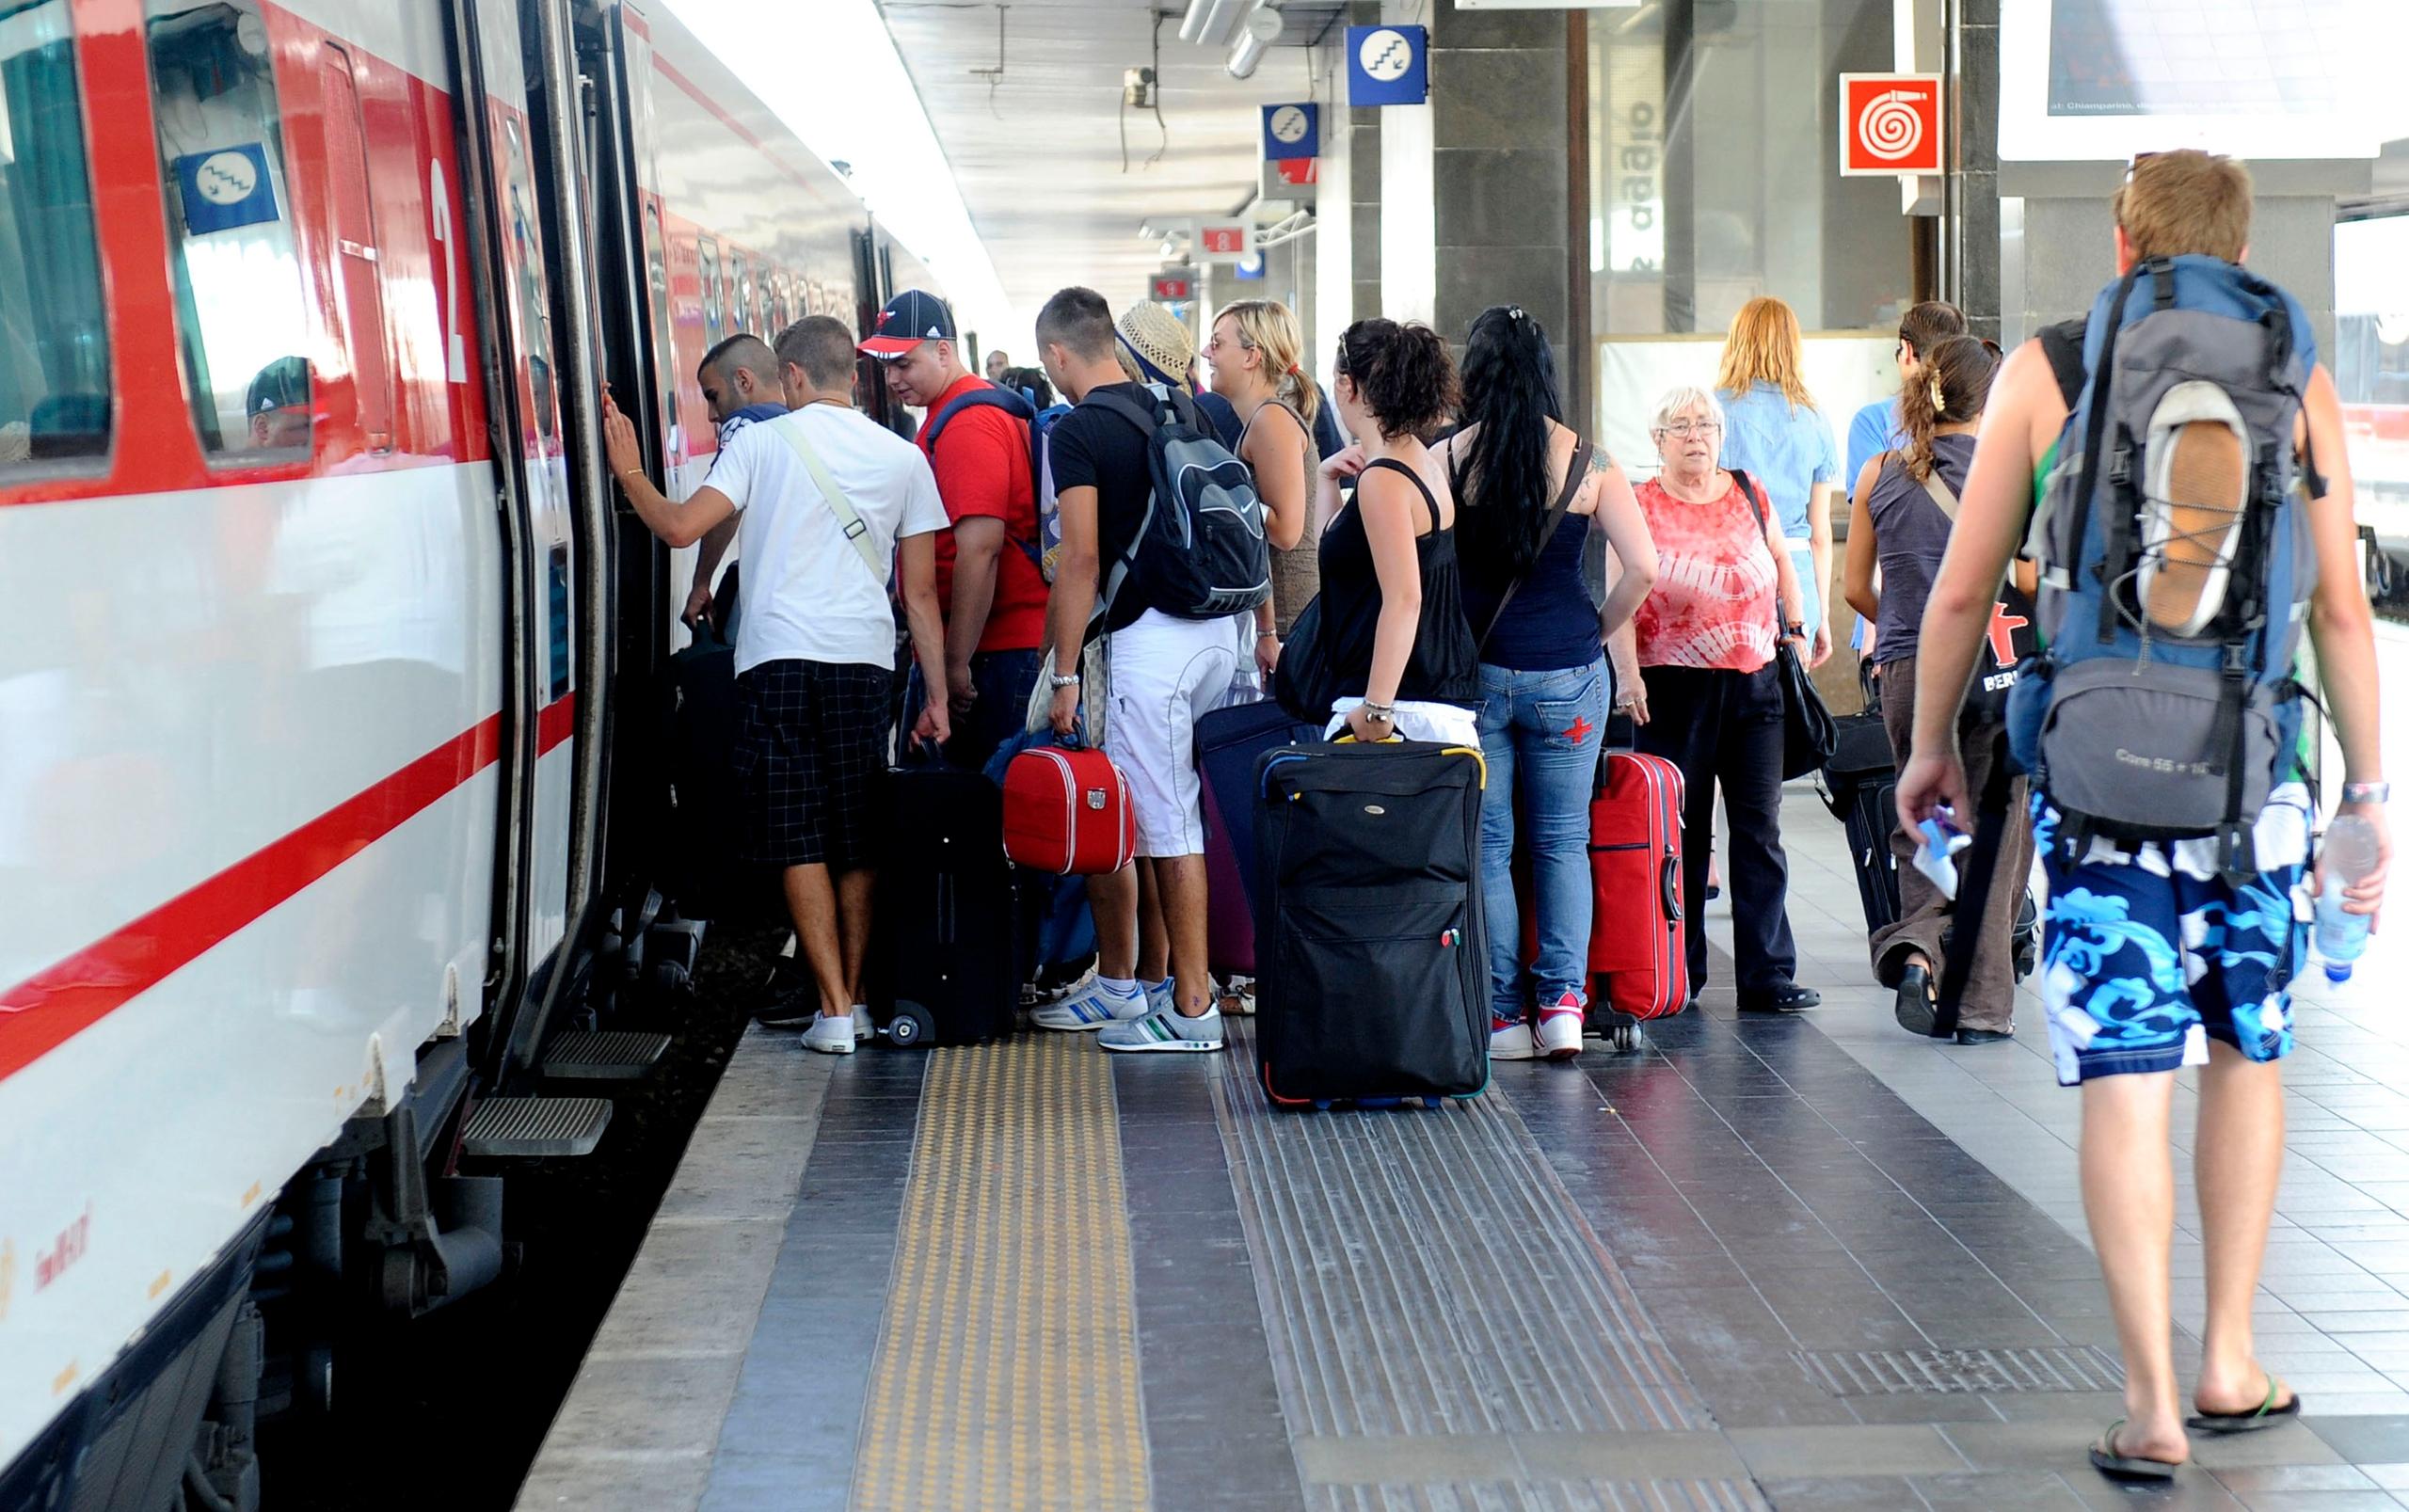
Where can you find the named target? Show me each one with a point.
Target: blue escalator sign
(1387, 66)
(1291, 131)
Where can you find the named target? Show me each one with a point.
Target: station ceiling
(1038, 144)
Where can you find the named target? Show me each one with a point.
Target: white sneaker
(1165, 1030)
(1559, 1031)
(830, 1035)
(1512, 1041)
(1237, 995)
(865, 1027)
(1162, 997)
(2193, 505)
(1091, 1008)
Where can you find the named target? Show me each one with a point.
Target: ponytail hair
(1510, 401)
(1404, 374)
(1952, 386)
(1267, 325)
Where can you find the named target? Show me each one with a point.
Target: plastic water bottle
(2350, 855)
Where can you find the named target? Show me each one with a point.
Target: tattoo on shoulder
(1600, 461)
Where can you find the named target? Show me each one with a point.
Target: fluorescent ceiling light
(862, 110)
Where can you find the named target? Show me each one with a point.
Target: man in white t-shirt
(824, 496)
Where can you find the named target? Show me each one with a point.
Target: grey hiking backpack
(2162, 704)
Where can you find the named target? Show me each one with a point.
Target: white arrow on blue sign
(1388, 66)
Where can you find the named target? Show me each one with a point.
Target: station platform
(1792, 1264)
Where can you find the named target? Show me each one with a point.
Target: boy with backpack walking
(2196, 515)
(1164, 554)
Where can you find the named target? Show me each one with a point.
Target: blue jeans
(1004, 680)
(1541, 733)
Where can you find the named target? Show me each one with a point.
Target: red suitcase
(1638, 960)
(1067, 811)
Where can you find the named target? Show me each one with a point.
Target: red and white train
(320, 799)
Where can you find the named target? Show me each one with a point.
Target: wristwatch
(2367, 792)
(1058, 682)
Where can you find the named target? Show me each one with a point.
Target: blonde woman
(1775, 434)
(1258, 366)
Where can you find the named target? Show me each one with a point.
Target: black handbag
(1807, 734)
(1301, 684)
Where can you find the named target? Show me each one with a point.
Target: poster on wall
(2105, 79)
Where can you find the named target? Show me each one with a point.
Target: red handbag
(1067, 810)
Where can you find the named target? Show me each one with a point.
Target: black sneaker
(791, 997)
(1787, 999)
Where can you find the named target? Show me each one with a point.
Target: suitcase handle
(1669, 881)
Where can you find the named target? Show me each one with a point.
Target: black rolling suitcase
(1372, 960)
(700, 871)
(942, 937)
(1860, 785)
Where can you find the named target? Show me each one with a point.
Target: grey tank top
(1910, 534)
(1296, 573)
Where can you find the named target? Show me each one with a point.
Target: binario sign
(1889, 123)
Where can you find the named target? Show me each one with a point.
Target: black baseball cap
(910, 318)
(283, 384)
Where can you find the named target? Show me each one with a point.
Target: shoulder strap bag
(1809, 736)
(790, 429)
(1573, 477)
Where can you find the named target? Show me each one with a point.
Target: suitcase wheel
(910, 1025)
(1625, 1037)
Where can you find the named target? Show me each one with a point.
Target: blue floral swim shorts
(2150, 952)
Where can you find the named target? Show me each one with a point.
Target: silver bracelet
(1059, 682)
(2367, 792)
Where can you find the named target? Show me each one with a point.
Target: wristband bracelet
(1059, 682)
(2367, 792)
(1267, 635)
(1379, 713)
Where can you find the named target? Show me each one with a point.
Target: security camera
(1138, 87)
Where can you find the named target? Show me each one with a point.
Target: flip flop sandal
(2268, 1415)
(2105, 1460)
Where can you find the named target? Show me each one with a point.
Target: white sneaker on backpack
(2194, 503)
(1512, 1041)
(1165, 1030)
(830, 1035)
(1091, 1007)
(1559, 1031)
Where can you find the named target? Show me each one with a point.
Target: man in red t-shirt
(992, 592)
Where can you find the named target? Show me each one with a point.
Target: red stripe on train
(46, 1009)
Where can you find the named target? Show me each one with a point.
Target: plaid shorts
(811, 760)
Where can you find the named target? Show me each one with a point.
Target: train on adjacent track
(330, 781)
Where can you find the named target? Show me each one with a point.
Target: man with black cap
(277, 405)
(976, 437)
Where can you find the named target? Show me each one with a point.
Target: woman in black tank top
(1394, 643)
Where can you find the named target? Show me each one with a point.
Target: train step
(584, 1054)
(525, 1126)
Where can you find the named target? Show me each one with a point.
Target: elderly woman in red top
(1697, 664)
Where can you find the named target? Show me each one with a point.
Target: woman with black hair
(1905, 509)
(1392, 650)
(1528, 489)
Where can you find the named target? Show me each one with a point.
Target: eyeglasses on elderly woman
(1681, 430)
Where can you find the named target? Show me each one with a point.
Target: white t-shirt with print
(808, 595)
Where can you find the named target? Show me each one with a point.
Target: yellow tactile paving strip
(1007, 1370)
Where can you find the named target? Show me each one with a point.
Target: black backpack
(1199, 551)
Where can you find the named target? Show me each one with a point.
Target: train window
(713, 328)
(54, 325)
(241, 321)
(741, 274)
(358, 273)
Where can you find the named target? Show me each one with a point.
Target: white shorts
(1165, 672)
(1417, 721)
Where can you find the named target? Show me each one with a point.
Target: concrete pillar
(1971, 273)
(1362, 201)
(2058, 248)
(1500, 168)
